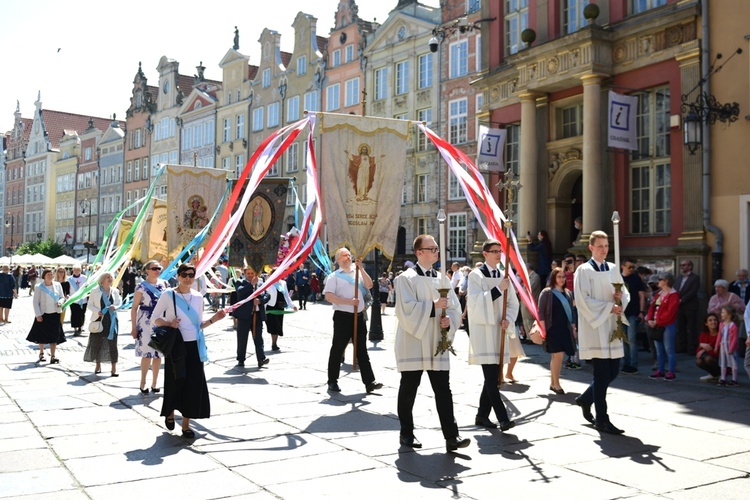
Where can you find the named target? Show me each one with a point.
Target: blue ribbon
(349, 279)
(52, 294)
(74, 285)
(319, 256)
(112, 315)
(192, 315)
(566, 305)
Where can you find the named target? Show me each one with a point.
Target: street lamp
(706, 109)
(10, 222)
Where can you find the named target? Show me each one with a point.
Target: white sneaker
(708, 378)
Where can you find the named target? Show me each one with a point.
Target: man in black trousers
(250, 317)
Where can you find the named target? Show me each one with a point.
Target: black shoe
(507, 425)
(586, 410)
(557, 391)
(155, 390)
(263, 363)
(169, 423)
(608, 428)
(485, 422)
(188, 434)
(456, 442)
(144, 391)
(409, 441)
(240, 363)
(333, 387)
(374, 386)
(275, 348)
(629, 370)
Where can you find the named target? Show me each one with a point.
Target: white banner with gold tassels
(364, 164)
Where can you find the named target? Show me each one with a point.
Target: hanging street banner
(193, 194)
(257, 237)
(363, 167)
(621, 127)
(490, 147)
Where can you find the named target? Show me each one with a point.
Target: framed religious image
(257, 218)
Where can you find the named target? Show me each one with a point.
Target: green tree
(49, 248)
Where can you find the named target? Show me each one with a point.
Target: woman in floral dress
(146, 296)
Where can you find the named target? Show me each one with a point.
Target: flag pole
(509, 186)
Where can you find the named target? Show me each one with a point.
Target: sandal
(115, 374)
(155, 389)
(42, 359)
(169, 423)
(53, 360)
(188, 433)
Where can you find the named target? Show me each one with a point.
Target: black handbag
(164, 337)
(657, 333)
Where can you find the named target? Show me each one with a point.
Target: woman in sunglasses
(185, 387)
(145, 297)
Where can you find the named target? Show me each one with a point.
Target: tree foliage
(49, 248)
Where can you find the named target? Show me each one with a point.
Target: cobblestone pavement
(277, 433)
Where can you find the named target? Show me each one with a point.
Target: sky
(83, 55)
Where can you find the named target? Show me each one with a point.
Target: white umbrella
(4, 260)
(23, 259)
(39, 259)
(66, 260)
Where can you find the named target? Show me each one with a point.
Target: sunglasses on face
(154, 268)
(187, 275)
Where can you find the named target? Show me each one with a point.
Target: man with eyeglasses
(418, 309)
(687, 285)
(634, 312)
(487, 285)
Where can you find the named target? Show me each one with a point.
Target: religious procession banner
(363, 167)
(256, 239)
(156, 231)
(193, 194)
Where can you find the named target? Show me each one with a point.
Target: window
(336, 58)
(240, 126)
(457, 121)
(349, 53)
(311, 101)
(650, 167)
(274, 170)
(266, 78)
(454, 188)
(333, 97)
(174, 158)
(572, 121)
(513, 160)
(572, 15)
(644, 5)
(239, 165)
(187, 138)
(209, 131)
(226, 163)
(129, 172)
(145, 168)
(273, 114)
(302, 65)
(352, 92)
(423, 115)
(137, 173)
(421, 189)
(477, 111)
(421, 226)
(457, 236)
(425, 71)
(516, 20)
(381, 83)
(478, 51)
(292, 109)
(227, 131)
(459, 59)
(402, 77)
(87, 155)
(292, 157)
(138, 142)
(258, 119)
(472, 6)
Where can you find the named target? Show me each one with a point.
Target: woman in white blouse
(103, 303)
(47, 328)
(185, 387)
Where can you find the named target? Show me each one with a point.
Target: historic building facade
(111, 156)
(137, 152)
(64, 170)
(14, 180)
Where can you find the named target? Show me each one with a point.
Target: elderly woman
(77, 309)
(47, 308)
(723, 298)
(8, 292)
(145, 297)
(103, 302)
(185, 387)
(662, 317)
(61, 276)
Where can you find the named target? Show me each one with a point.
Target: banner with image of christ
(363, 164)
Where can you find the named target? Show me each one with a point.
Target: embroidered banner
(193, 193)
(256, 240)
(156, 245)
(364, 162)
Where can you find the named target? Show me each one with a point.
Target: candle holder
(618, 333)
(444, 344)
